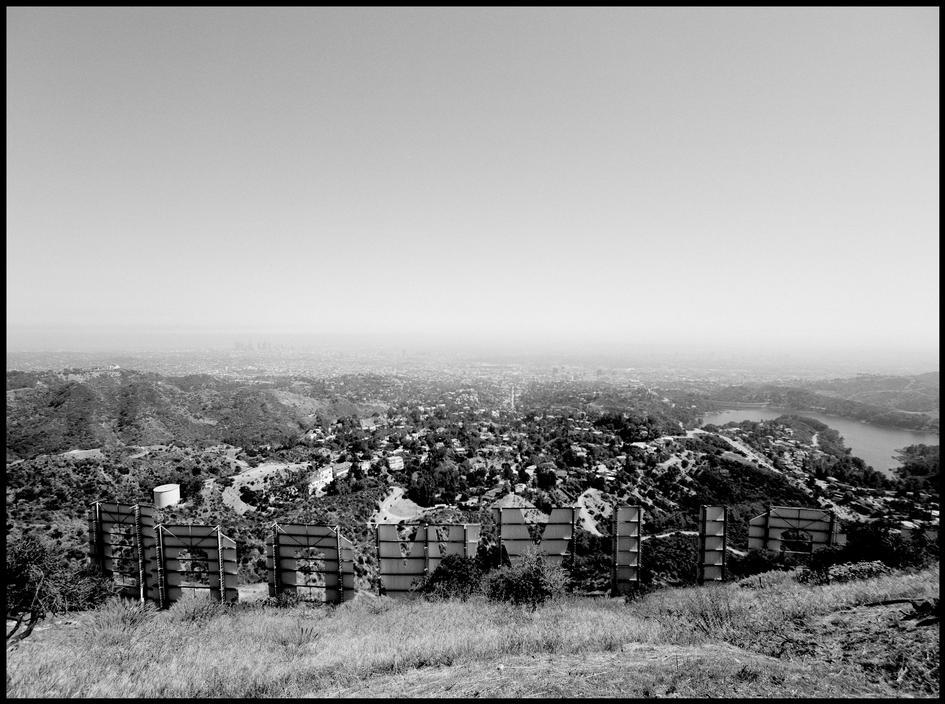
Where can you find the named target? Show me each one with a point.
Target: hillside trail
(395, 508)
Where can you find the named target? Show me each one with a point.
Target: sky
(680, 176)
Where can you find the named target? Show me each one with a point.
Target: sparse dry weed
(264, 651)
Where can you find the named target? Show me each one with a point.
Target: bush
(283, 600)
(456, 577)
(635, 591)
(118, 616)
(40, 582)
(669, 561)
(530, 583)
(760, 561)
(868, 544)
(845, 572)
(876, 541)
(489, 554)
(190, 609)
(590, 568)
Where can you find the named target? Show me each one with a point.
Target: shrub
(39, 582)
(456, 577)
(635, 591)
(876, 541)
(871, 543)
(590, 568)
(760, 561)
(111, 623)
(196, 610)
(489, 554)
(845, 572)
(530, 583)
(668, 561)
(283, 600)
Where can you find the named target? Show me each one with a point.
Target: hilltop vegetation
(901, 402)
(914, 394)
(49, 412)
(920, 467)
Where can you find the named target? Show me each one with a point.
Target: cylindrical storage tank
(166, 495)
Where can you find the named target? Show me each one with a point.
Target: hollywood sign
(163, 563)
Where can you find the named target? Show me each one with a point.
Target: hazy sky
(712, 175)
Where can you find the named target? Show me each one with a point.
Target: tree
(546, 478)
(921, 463)
(39, 582)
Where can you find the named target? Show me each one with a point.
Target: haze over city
(707, 179)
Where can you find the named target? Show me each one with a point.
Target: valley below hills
(250, 451)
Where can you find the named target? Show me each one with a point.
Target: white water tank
(166, 495)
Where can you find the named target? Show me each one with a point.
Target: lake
(874, 444)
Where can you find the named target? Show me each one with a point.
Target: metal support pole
(221, 574)
(99, 538)
(274, 575)
(425, 527)
(614, 587)
(767, 527)
(139, 548)
(161, 568)
(573, 544)
(341, 575)
(724, 542)
(377, 543)
(499, 541)
(93, 558)
(700, 564)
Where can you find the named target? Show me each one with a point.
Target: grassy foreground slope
(766, 636)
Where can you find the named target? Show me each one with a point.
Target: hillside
(51, 412)
(767, 636)
(901, 402)
(912, 394)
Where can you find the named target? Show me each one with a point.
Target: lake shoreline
(797, 411)
(876, 445)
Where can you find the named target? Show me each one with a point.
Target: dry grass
(711, 641)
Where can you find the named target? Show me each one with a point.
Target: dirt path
(253, 478)
(395, 508)
(587, 501)
(672, 532)
(751, 454)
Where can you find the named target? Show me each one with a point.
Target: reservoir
(874, 444)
